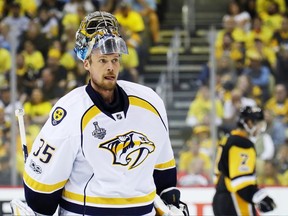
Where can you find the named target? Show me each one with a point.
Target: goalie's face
(103, 69)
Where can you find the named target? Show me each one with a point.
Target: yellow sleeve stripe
(40, 187)
(91, 113)
(142, 103)
(166, 165)
(242, 182)
(110, 200)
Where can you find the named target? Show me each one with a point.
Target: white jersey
(101, 161)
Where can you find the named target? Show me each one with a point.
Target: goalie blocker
(169, 204)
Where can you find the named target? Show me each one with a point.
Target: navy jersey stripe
(101, 211)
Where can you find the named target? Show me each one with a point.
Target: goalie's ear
(171, 196)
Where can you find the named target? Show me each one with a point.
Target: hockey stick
(18, 207)
(20, 115)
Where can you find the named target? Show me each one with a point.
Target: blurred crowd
(251, 52)
(43, 34)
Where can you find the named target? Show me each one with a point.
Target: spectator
(278, 103)
(259, 73)
(232, 109)
(36, 109)
(271, 16)
(4, 124)
(54, 63)
(40, 41)
(242, 18)
(262, 5)
(281, 75)
(264, 145)
(280, 37)
(130, 62)
(196, 175)
(244, 83)
(72, 6)
(270, 175)
(33, 58)
(202, 136)
(230, 49)
(282, 157)
(200, 109)
(275, 128)
(49, 25)
(5, 102)
(26, 76)
(5, 66)
(249, 6)
(193, 153)
(148, 10)
(49, 86)
(16, 23)
(230, 28)
(4, 37)
(54, 7)
(132, 23)
(258, 31)
(267, 54)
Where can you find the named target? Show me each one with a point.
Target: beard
(104, 85)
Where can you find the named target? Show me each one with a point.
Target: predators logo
(129, 149)
(58, 115)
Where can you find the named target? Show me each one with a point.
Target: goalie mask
(99, 30)
(255, 114)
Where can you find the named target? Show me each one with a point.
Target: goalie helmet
(255, 114)
(99, 30)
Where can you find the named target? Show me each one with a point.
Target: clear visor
(111, 44)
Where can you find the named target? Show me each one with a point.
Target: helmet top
(99, 30)
(250, 113)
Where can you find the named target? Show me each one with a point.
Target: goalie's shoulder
(70, 108)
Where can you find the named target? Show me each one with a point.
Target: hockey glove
(263, 201)
(171, 197)
(20, 209)
(166, 210)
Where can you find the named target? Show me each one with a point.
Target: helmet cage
(94, 28)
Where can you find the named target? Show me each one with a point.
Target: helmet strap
(248, 129)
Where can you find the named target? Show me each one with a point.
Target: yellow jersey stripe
(110, 200)
(142, 103)
(91, 113)
(242, 207)
(166, 165)
(38, 186)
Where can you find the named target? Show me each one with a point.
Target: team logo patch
(58, 115)
(129, 149)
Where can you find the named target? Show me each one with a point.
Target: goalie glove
(170, 198)
(263, 202)
(20, 209)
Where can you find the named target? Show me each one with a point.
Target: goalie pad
(19, 208)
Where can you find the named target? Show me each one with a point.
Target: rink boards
(198, 199)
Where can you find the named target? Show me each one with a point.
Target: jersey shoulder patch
(58, 115)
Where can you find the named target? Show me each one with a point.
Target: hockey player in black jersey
(237, 192)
